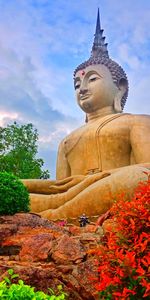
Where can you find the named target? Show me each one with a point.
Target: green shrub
(20, 291)
(14, 196)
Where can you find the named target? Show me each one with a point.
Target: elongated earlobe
(122, 88)
(86, 119)
(117, 102)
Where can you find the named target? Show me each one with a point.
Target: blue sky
(42, 42)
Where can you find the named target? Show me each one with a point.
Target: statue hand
(48, 187)
(95, 177)
(64, 185)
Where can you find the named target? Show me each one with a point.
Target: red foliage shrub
(124, 258)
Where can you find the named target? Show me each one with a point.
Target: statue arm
(64, 181)
(62, 168)
(140, 142)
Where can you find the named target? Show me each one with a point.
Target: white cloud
(126, 56)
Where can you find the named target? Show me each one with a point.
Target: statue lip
(85, 97)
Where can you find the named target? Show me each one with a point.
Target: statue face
(95, 88)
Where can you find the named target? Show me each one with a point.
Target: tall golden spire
(99, 45)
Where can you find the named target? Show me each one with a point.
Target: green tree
(18, 150)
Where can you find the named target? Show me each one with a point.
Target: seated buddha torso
(103, 144)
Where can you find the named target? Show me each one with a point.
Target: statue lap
(95, 199)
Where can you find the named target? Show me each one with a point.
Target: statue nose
(83, 91)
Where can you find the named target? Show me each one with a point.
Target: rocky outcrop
(46, 254)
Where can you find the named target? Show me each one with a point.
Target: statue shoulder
(131, 121)
(139, 119)
(133, 118)
(69, 142)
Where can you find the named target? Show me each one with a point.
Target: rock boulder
(46, 254)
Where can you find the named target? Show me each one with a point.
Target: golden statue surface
(108, 155)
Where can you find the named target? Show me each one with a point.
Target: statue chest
(99, 147)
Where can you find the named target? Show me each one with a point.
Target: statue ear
(122, 88)
(86, 119)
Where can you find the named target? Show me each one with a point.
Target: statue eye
(77, 86)
(94, 78)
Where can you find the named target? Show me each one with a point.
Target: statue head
(103, 74)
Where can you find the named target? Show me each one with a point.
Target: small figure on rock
(83, 220)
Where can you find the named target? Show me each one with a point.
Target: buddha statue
(106, 156)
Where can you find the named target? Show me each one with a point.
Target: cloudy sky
(42, 42)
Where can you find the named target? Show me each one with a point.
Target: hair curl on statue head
(116, 71)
